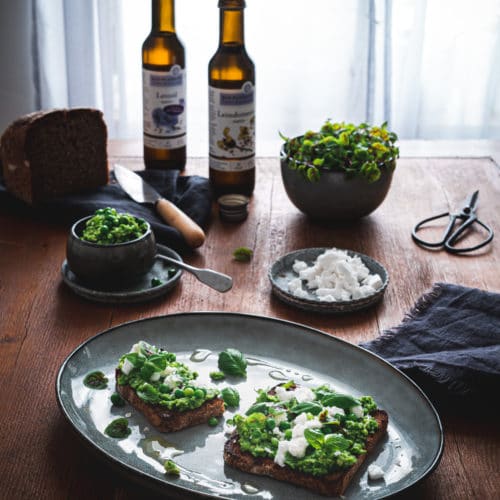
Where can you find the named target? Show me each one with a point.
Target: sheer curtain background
(431, 69)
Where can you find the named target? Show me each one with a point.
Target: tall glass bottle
(231, 75)
(164, 91)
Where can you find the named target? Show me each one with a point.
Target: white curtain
(429, 68)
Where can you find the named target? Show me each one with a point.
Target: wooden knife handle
(193, 234)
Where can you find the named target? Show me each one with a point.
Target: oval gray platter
(139, 291)
(276, 350)
(281, 272)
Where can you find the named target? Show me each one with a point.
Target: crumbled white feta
(299, 265)
(172, 381)
(168, 371)
(283, 394)
(358, 411)
(375, 472)
(127, 366)
(304, 394)
(335, 410)
(334, 276)
(136, 348)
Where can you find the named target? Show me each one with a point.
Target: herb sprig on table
(358, 150)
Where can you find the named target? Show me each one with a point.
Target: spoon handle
(217, 281)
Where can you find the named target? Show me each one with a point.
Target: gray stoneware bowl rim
(146, 478)
(324, 306)
(92, 244)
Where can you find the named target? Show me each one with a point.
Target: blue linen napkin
(191, 194)
(449, 344)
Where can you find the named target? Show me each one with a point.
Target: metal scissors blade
(453, 233)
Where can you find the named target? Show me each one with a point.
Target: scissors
(467, 214)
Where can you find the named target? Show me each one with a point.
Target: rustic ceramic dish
(141, 290)
(281, 272)
(276, 350)
(334, 197)
(109, 265)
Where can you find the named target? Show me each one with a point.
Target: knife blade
(141, 192)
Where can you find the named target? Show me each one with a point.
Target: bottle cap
(233, 207)
(232, 4)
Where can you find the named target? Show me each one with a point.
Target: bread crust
(333, 484)
(170, 420)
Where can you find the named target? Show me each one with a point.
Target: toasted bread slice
(332, 484)
(171, 420)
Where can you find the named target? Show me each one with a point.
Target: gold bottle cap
(233, 207)
(232, 4)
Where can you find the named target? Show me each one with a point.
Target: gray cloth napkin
(449, 344)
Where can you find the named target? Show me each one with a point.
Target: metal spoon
(217, 281)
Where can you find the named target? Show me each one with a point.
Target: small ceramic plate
(276, 351)
(140, 291)
(281, 272)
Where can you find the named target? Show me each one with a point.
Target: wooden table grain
(42, 321)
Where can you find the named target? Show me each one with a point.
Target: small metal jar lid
(233, 207)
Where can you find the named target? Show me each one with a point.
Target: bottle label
(164, 108)
(232, 128)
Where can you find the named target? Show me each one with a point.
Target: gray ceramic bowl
(335, 197)
(118, 264)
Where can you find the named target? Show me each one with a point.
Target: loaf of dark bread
(52, 153)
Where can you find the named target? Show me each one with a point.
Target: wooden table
(42, 321)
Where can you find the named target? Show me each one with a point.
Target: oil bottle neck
(163, 16)
(231, 27)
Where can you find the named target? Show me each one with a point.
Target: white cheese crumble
(358, 411)
(335, 410)
(375, 472)
(127, 366)
(298, 443)
(334, 276)
(172, 381)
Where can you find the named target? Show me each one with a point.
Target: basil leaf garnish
(159, 361)
(231, 397)
(340, 400)
(336, 442)
(258, 408)
(315, 438)
(232, 362)
(307, 407)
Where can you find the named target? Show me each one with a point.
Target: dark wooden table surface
(42, 321)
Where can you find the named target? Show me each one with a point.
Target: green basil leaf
(315, 438)
(134, 358)
(340, 400)
(232, 362)
(230, 396)
(307, 407)
(336, 442)
(159, 361)
(258, 408)
(243, 254)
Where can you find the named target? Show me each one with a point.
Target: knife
(141, 192)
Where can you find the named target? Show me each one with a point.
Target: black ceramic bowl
(335, 197)
(117, 264)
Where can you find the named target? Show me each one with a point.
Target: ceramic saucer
(140, 291)
(281, 272)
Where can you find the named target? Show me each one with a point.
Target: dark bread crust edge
(170, 420)
(331, 485)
